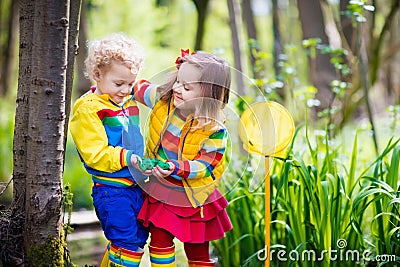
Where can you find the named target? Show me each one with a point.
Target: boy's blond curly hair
(116, 47)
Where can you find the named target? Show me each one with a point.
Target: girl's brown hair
(215, 81)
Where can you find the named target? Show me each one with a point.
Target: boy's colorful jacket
(106, 135)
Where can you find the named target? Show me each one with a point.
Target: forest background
(333, 64)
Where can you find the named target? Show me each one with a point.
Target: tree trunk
(4, 5)
(278, 47)
(83, 83)
(201, 7)
(8, 61)
(346, 26)
(377, 44)
(46, 128)
(13, 250)
(321, 71)
(235, 25)
(393, 67)
(248, 18)
(73, 36)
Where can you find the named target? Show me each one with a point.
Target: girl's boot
(162, 257)
(104, 260)
(120, 257)
(201, 263)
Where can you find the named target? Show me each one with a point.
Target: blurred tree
(346, 26)
(45, 78)
(8, 48)
(321, 71)
(237, 43)
(377, 41)
(201, 7)
(392, 68)
(202, 12)
(359, 23)
(370, 49)
(248, 18)
(82, 84)
(164, 2)
(277, 47)
(4, 14)
(73, 46)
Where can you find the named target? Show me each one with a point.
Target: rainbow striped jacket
(106, 135)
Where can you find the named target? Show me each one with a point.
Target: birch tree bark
(45, 140)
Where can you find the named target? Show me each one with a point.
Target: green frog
(148, 164)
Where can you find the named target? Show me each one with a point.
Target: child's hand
(135, 160)
(160, 173)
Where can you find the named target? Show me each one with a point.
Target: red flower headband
(179, 60)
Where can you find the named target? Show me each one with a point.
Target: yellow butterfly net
(266, 128)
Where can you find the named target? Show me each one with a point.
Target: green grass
(323, 194)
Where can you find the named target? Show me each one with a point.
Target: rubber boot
(162, 257)
(121, 257)
(104, 260)
(201, 263)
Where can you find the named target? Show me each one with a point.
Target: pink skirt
(180, 218)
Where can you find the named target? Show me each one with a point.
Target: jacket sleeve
(211, 153)
(91, 141)
(145, 92)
